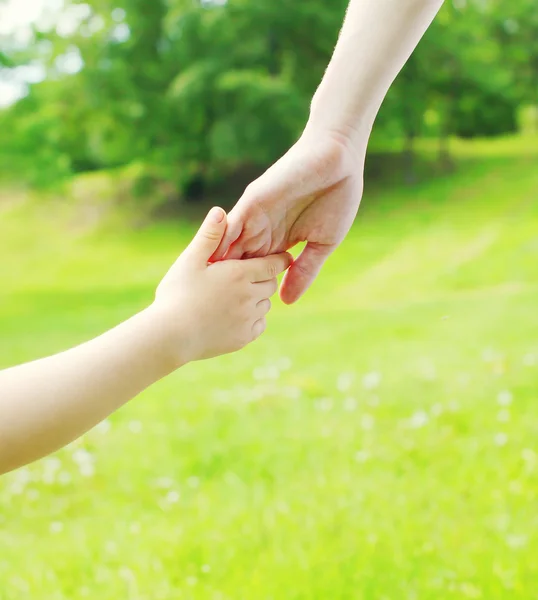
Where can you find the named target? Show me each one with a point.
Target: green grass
(380, 441)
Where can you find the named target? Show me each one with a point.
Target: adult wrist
(351, 141)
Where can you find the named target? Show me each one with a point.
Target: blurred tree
(195, 89)
(515, 29)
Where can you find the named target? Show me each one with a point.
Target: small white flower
(292, 392)
(192, 581)
(82, 457)
(326, 431)
(126, 574)
(206, 568)
(32, 495)
(469, 590)
(193, 482)
(135, 427)
(500, 439)
(437, 410)
(22, 476)
(164, 482)
(284, 363)
(52, 464)
(490, 355)
(325, 404)
(528, 455)
(48, 478)
(87, 470)
(453, 406)
(134, 528)
(103, 427)
(505, 397)
(56, 527)
(266, 373)
(371, 380)
(64, 478)
(222, 396)
(464, 379)
(362, 456)
(529, 360)
(111, 547)
(428, 370)
(419, 419)
(367, 422)
(273, 372)
(85, 462)
(516, 541)
(350, 404)
(503, 521)
(344, 382)
(515, 487)
(172, 497)
(503, 415)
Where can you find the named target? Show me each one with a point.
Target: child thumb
(209, 236)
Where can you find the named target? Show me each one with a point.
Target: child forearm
(48, 403)
(377, 38)
(200, 310)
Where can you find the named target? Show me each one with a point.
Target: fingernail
(216, 215)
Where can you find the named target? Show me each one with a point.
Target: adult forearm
(50, 402)
(377, 38)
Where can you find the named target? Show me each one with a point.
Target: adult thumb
(209, 236)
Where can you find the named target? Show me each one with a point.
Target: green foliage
(199, 89)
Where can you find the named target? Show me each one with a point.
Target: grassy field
(380, 442)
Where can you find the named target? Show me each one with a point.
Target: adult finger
(268, 267)
(231, 235)
(235, 252)
(303, 271)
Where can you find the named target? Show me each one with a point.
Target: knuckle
(272, 270)
(212, 235)
(252, 191)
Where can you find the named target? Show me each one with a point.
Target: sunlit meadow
(380, 441)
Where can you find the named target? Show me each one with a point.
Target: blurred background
(380, 441)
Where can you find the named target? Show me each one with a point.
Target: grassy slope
(379, 442)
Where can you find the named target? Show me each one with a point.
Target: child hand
(210, 309)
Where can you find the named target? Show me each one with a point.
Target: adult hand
(311, 194)
(314, 191)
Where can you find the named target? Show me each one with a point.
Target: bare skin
(200, 310)
(313, 192)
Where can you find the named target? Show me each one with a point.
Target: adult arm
(313, 192)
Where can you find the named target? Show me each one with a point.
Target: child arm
(200, 310)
